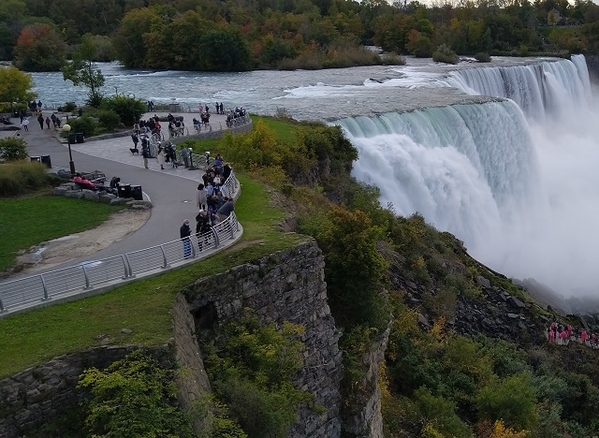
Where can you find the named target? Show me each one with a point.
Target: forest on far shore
(237, 35)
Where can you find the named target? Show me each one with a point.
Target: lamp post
(66, 128)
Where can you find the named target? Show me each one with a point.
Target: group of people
(204, 120)
(176, 126)
(235, 114)
(563, 334)
(214, 206)
(151, 126)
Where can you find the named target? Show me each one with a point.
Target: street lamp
(66, 128)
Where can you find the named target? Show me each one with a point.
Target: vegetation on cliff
(466, 354)
(460, 361)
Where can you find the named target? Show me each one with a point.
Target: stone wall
(286, 286)
(192, 380)
(37, 395)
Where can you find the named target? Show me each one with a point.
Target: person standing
(225, 210)
(185, 156)
(25, 124)
(202, 197)
(160, 156)
(40, 120)
(185, 232)
(135, 139)
(48, 122)
(145, 150)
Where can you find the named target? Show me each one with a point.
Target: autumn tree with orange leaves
(39, 48)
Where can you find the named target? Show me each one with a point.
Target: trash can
(47, 161)
(80, 138)
(124, 190)
(136, 192)
(36, 158)
(72, 138)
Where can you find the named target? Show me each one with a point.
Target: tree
(81, 71)
(129, 42)
(39, 48)
(15, 87)
(224, 50)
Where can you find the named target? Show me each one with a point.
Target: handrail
(97, 273)
(89, 275)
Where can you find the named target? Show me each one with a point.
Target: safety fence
(97, 273)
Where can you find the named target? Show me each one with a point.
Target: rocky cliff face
(593, 65)
(37, 395)
(286, 286)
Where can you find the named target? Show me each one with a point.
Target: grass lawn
(31, 220)
(142, 306)
(284, 132)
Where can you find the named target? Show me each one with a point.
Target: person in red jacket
(80, 180)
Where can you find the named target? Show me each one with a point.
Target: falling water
(516, 180)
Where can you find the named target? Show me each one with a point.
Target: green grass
(143, 306)
(284, 130)
(31, 220)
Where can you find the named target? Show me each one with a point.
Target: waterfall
(516, 179)
(537, 88)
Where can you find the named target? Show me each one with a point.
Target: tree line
(233, 35)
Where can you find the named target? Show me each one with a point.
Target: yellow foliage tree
(501, 431)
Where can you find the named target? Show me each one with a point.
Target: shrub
(482, 57)
(19, 177)
(392, 58)
(85, 124)
(128, 109)
(512, 400)
(109, 120)
(133, 398)
(69, 107)
(446, 55)
(13, 149)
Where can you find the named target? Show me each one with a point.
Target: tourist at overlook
(225, 210)
(185, 232)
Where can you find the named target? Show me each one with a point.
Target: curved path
(172, 191)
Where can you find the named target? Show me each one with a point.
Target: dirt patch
(53, 253)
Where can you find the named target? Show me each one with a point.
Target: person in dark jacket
(185, 232)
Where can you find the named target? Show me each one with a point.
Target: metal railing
(97, 273)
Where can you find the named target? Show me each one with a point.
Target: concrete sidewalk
(172, 191)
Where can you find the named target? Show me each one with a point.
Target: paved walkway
(172, 191)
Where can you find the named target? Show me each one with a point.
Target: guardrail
(97, 273)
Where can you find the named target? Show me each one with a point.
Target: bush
(446, 55)
(482, 57)
(13, 149)
(109, 120)
(133, 397)
(17, 178)
(69, 107)
(85, 124)
(392, 58)
(128, 109)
